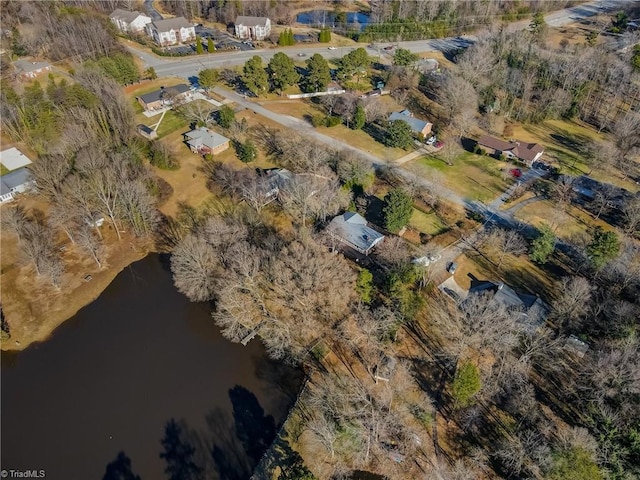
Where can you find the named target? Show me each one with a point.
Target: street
(190, 66)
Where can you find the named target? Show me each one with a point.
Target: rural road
(190, 66)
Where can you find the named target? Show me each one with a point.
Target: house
(129, 22)
(255, 28)
(12, 159)
(273, 180)
(147, 132)
(352, 229)
(526, 152)
(533, 310)
(15, 182)
(164, 97)
(418, 127)
(27, 69)
(171, 31)
(205, 141)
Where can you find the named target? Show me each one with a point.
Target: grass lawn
(363, 141)
(566, 224)
(428, 223)
(565, 144)
(472, 176)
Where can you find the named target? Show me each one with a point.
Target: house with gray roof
(164, 96)
(418, 127)
(129, 22)
(18, 181)
(171, 31)
(205, 141)
(353, 230)
(533, 311)
(255, 28)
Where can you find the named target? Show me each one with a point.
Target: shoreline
(33, 325)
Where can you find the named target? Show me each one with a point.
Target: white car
(427, 260)
(333, 48)
(431, 140)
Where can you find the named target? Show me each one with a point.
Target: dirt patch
(34, 308)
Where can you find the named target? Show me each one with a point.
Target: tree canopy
(399, 134)
(398, 207)
(318, 74)
(282, 71)
(404, 57)
(254, 75)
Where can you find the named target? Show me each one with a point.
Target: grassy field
(565, 144)
(428, 223)
(472, 176)
(566, 224)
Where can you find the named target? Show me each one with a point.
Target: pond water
(141, 371)
(327, 17)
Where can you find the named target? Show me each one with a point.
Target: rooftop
(416, 124)
(353, 229)
(159, 94)
(251, 21)
(12, 159)
(523, 150)
(204, 137)
(14, 179)
(171, 24)
(125, 15)
(27, 66)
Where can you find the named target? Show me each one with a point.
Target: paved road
(190, 66)
(151, 11)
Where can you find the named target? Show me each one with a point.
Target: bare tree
(504, 242)
(88, 241)
(450, 151)
(631, 215)
(573, 300)
(50, 173)
(194, 265)
(15, 219)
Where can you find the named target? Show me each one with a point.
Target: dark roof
(26, 66)
(416, 124)
(275, 178)
(159, 94)
(523, 150)
(353, 229)
(14, 179)
(145, 129)
(125, 15)
(171, 24)
(251, 21)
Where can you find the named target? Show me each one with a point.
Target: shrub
(466, 384)
(332, 121)
(160, 156)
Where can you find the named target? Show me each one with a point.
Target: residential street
(190, 66)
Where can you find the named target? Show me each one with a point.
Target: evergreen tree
(199, 48)
(325, 35)
(247, 152)
(398, 208)
(359, 118)
(254, 75)
(282, 39)
(207, 78)
(318, 74)
(364, 285)
(404, 57)
(282, 71)
(604, 246)
(353, 63)
(466, 384)
(226, 116)
(210, 46)
(398, 134)
(543, 245)
(150, 73)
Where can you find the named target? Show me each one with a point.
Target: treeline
(62, 31)
(90, 167)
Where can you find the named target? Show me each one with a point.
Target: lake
(327, 17)
(141, 371)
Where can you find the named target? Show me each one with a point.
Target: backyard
(472, 176)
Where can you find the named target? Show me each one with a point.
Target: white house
(256, 28)
(129, 22)
(27, 69)
(171, 31)
(17, 181)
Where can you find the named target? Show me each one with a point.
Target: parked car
(426, 260)
(301, 54)
(516, 172)
(390, 47)
(333, 48)
(452, 267)
(431, 140)
(438, 144)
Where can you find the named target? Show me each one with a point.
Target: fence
(317, 94)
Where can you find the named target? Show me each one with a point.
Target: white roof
(12, 159)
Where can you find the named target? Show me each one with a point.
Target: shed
(147, 132)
